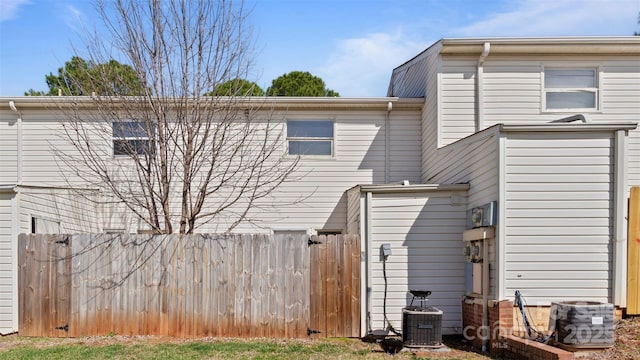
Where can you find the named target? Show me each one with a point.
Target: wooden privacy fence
(633, 253)
(188, 286)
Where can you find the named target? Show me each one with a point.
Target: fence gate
(44, 278)
(334, 286)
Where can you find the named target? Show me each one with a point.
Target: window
(571, 89)
(132, 138)
(41, 225)
(310, 137)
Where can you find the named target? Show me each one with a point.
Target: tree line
(80, 77)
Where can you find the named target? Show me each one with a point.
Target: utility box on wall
(476, 244)
(482, 216)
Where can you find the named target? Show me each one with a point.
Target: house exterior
(493, 118)
(466, 123)
(373, 140)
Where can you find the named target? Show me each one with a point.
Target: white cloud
(74, 18)
(559, 17)
(9, 8)
(362, 66)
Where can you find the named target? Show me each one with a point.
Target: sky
(353, 45)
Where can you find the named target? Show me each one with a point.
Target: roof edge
(275, 102)
(417, 188)
(568, 127)
(579, 45)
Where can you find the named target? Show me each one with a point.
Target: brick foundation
(500, 323)
(528, 349)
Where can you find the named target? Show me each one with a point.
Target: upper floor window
(310, 137)
(571, 88)
(132, 138)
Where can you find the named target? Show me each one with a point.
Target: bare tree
(174, 157)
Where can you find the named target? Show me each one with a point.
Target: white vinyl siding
(512, 90)
(558, 216)
(513, 94)
(42, 139)
(457, 106)
(620, 96)
(353, 211)
(7, 266)
(404, 149)
(425, 233)
(318, 197)
(8, 148)
(58, 211)
(430, 118)
(473, 160)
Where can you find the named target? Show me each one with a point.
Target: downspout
(619, 221)
(387, 144)
(485, 293)
(486, 48)
(367, 240)
(12, 106)
(15, 228)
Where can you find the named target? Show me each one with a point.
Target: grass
(112, 346)
(121, 347)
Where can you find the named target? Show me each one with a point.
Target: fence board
(185, 286)
(335, 286)
(633, 253)
(44, 285)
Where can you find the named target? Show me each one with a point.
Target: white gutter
(15, 218)
(258, 102)
(562, 127)
(619, 221)
(12, 106)
(486, 48)
(418, 188)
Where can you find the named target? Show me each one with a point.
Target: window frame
(331, 140)
(146, 138)
(575, 66)
(45, 222)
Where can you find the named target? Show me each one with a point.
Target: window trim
(146, 138)
(35, 218)
(597, 91)
(331, 140)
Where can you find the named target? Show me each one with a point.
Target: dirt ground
(627, 341)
